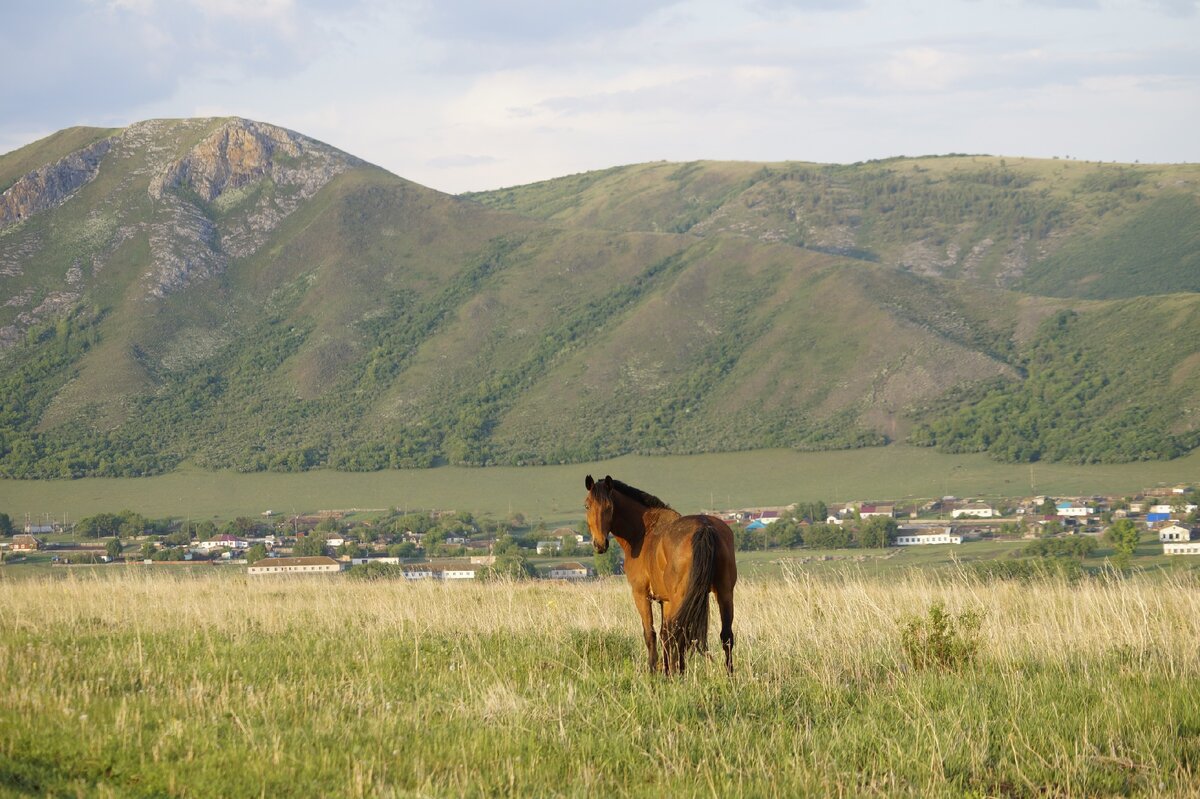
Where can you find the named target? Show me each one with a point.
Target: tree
(827, 536)
(309, 545)
(6, 525)
(256, 553)
(877, 532)
(1048, 508)
(511, 563)
(1124, 536)
(100, 526)
(609, 563)
(131, 524)
(113, 548)
(405, 549)
(148, 550)
(812, 512)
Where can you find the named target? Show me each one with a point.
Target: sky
(464, 95)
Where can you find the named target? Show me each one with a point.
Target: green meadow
(551, 493)
(151, 684)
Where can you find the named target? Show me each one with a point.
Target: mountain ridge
(234, 294)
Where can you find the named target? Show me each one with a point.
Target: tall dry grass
(151, 680)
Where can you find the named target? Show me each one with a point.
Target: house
(39, 529)
(1181, 548)
(917, 536)
(758, 524)
(977, 510)
(440, 571)
(382, 559)
(223, 541)
(1072, 510)
(26, 542)
(1166, 508)
(570, 571)
(1175, 532)
(867, 511)
(549, 547)
(319, 564)
(1155, 518)
(455, 571)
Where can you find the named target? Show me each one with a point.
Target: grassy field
(690, 483)
(151, 684)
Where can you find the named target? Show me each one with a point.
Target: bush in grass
(1027, 571)
(941, 639)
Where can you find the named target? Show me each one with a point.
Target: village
(449, 546)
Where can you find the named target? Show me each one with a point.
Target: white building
(224, 541)
(364, 561)
(977, 510)
(1181, 548)
(1165, 508)
(916, 536)
(570, 571)
(1072, 511)
(1175, 532)
(313, 565)
(440, 571)
(549, 547)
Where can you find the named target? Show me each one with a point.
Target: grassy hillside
(156, 684)
(53, 148)
(228, 293)
(1064, 228)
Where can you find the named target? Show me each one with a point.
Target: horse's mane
(638, 495)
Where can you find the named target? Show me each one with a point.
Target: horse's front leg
(642, 601)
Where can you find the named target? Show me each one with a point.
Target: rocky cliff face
(52, 184)
(218, 189)
(220, 174)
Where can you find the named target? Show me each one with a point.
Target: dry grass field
(152, 684)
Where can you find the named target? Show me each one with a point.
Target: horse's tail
(691, 622)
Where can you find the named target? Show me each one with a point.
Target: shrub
(941, 639)
(376, 571)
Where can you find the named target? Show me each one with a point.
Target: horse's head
(599, 507)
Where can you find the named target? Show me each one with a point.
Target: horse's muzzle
(600, 548)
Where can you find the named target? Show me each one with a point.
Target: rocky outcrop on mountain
(52, 184)
(210, 210)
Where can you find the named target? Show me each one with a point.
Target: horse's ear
(608, 482)
(588, 482)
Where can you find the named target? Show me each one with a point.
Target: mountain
(234, 294)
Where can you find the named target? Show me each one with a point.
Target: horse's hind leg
(673, 645)
(725, 606)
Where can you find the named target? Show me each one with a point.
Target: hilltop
(236, 295)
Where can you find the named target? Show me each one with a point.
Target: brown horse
(671, 559)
